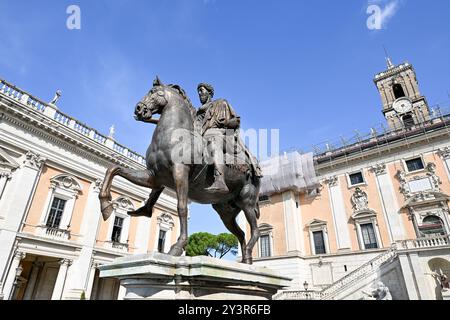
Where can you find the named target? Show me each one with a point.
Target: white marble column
(15, 202)
(61, 279)
(37, 266)
(122, 293)
(77, 278)
(4, 177)
(340, 218)
(445, 156)
(90, 283)
(389, 203)
(291, 222)
(11, 276)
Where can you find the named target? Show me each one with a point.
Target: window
(117, 229)
(398, 91)
(414, 164)
(263, 198)
(368, 235)
(264, 241)
(319, 242)
(432, 226)
(56, 212)
(408, 121)
(161, 240)
(356, 178)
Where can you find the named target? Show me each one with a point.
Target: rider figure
(215, 117)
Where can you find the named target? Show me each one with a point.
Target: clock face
(402, 105)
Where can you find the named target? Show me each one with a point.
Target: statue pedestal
(446, 295)
(159, 276)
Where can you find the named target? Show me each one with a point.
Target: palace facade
(52, 235)
(378, 213)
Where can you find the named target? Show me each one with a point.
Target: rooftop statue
(200, 155)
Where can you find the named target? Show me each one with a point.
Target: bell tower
(403, 105)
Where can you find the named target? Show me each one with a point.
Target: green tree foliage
(207, 244)
(199, 244)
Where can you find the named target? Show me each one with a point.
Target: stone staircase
(330, 292)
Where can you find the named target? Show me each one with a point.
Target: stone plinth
(446, 295)
(160, 276)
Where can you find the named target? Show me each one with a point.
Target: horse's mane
(186, 99)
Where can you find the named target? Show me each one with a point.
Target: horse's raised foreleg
(180, 176)
(147, 209)
(142, 178)
(228, 216)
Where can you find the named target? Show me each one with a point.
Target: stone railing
(56, 234)
(420, 243)
(331, 291)
(118, 246)
(50, 111)
(298, 295)
(366, 269)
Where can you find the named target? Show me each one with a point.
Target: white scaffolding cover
(291, 171)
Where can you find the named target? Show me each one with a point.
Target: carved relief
(98, 185)
(379, 169)
(430, 178)
(332, 181)
(444, 153)
(359, 200)
(33, 160)
(166, 219)
(123, 203)
(66, 182)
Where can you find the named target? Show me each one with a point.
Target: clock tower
(403, 105)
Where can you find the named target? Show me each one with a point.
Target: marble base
(160, 276)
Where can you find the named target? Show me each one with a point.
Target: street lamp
(305, 285)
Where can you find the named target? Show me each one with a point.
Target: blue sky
(303, 67)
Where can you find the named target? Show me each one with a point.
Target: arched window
(398, 91)
(432, 226)
(408, 121)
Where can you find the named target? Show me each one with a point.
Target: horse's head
(158, 98)
(152, 103)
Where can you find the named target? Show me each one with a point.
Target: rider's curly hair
(208, 87)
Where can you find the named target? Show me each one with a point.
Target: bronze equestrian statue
(187, 154)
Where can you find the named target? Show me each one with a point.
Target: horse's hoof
(141, 212)
(175, 251)
(107, 210)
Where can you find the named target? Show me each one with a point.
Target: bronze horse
(187, 178)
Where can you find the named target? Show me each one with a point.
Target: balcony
(422, 243)
(116, 246)
(55, 233)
